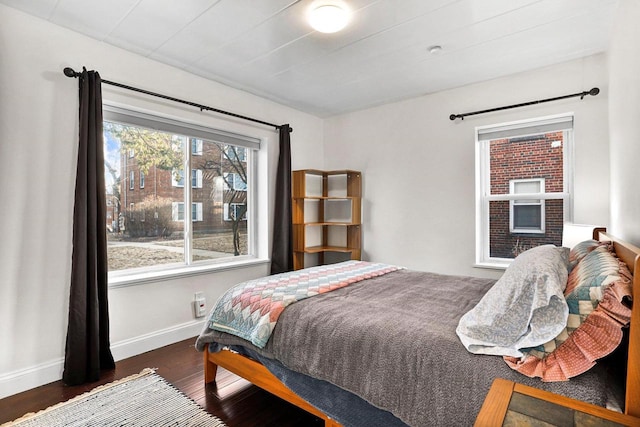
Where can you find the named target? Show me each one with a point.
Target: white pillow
(525, 307)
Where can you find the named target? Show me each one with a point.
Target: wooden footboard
(260, 376)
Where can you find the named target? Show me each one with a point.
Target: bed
(384, 351)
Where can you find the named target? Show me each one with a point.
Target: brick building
(525, 165)
(152, 198)
(113, 210)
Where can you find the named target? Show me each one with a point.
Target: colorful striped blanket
(251, 309)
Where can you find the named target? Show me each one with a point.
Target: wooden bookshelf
(327, 212)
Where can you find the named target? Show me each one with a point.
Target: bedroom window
(524, 174)
(155, 235)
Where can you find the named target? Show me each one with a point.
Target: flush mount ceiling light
(329, 17)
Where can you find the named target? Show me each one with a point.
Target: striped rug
(145, 399)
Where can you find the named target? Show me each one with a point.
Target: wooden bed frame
(257, 374)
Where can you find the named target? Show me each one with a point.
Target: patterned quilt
(251, 309)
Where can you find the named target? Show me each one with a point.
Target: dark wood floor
(230, 398)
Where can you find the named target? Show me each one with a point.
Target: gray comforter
(391, 340)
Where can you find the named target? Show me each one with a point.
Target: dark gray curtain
(87, 348)
(282, 250)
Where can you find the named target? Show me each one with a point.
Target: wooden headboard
(630, 255)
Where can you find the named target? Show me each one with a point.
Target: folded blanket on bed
(525, 308)
(251, 309)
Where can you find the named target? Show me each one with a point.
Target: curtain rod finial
(70, 72)
(455, 116)
(594, 91)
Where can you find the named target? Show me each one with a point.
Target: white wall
(418, 166)
(624, 107)
(38, 148)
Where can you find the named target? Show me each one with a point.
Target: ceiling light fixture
(329, 17)
(435, 49)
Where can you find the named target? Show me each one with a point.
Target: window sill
(492, 265)
(123, 280)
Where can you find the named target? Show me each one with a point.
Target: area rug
(145, 399)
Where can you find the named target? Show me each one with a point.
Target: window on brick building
(196, 147)
(234, 181)
(177, 211)
(235, 153)
(526, 215)
(177, 178)
(235, 210)
(523, 186)
(155, 234)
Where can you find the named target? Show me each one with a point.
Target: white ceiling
(267, 48)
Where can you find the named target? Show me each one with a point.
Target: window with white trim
(234, 181)
(177, 178)
(196, 147)
(527, 215)
(235, 153)
(524, 175)
(177, 211)
(155, 226)
(234, 211)
(196, 178)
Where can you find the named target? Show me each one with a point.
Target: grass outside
(125, 254)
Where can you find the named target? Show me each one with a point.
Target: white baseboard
(44, 373)
(31, 377)
(143, 343)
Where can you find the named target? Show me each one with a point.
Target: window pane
(522, 165)
(217, 175)
(531, 157)
(505, 244)
(147, 223)
(196, 147)
(146, 226)
(527, 217)
(232, 153)
(520, 187)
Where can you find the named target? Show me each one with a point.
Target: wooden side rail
(630, 254)
(260, 376)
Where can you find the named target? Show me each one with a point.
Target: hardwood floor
(232, 399)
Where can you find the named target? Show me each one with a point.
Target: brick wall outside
(158, 186)
(522, 158)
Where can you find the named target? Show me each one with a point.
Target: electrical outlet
(199, 304)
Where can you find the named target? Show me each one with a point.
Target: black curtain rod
(592, 92)
(70, 72)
